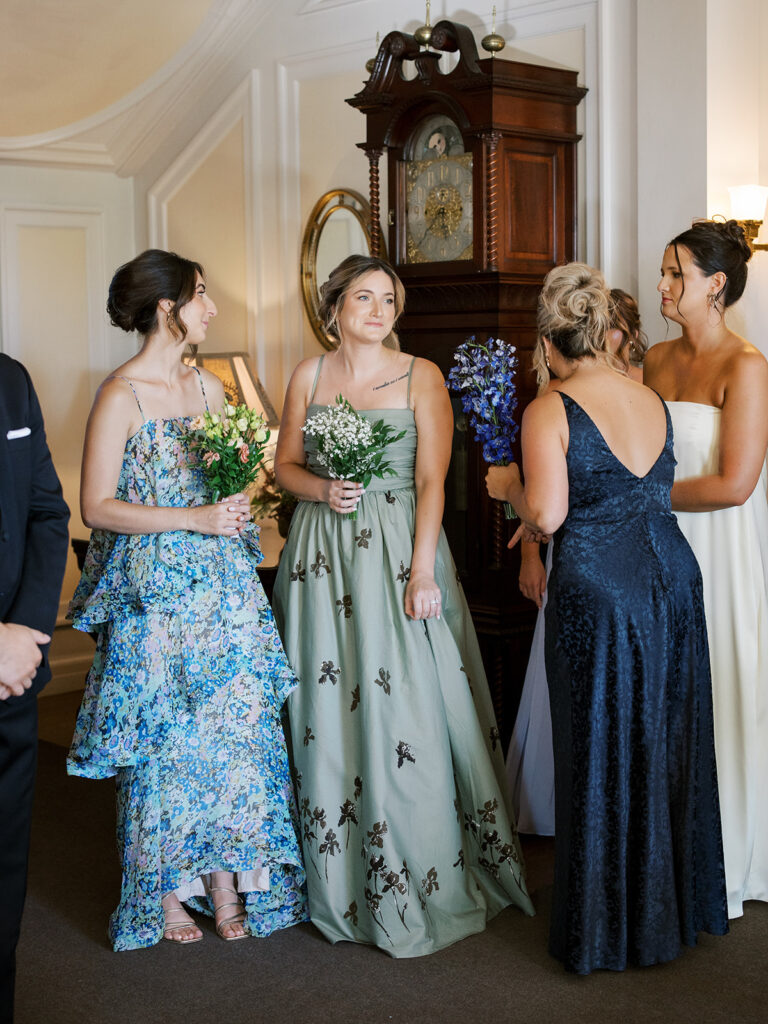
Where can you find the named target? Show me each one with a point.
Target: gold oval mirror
(339, 225)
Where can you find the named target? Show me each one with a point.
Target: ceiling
(62, 61)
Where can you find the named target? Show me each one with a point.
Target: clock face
(438, 204)
(439, 209)
(434, 137)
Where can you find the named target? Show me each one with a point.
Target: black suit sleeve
(36, 600)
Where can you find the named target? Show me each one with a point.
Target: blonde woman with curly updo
(530, 768)
(638, 853)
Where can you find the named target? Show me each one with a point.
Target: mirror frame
(328, 204)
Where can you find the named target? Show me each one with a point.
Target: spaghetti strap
(408, 395)
(133, 389)
(202, 387)
(317, 377)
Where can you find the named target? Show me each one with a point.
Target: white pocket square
(12, 435)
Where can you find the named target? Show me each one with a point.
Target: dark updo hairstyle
(625, 317)
(574, 314)
(717, 245)
(138, 287)
(339, 284)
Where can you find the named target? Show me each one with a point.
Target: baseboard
(70, 657)
(68, 677)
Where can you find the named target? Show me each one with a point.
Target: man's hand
(20, 656)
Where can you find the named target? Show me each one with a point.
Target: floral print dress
(407, 832)
(182, 705)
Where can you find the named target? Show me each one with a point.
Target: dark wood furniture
(517, 123)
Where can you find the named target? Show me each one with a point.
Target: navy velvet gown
(638, 848)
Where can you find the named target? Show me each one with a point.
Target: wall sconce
(748, 208)
(238, 375)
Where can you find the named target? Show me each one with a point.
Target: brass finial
(424, 34)
(369, 64)
(494, 43)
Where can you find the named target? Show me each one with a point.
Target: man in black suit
(33, 550)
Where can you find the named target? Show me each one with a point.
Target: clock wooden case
(481, 167)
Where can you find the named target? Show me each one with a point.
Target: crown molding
(121, 136)
(320, 6)
(71, 154)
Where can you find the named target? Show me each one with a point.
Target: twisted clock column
(491, 248)
(374, 155)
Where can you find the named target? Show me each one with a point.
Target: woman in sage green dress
(406, 829)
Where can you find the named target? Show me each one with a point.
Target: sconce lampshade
(238, 375)
(748, 201)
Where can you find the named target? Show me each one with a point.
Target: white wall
(62, 233)
(733, 99)
(671, 136)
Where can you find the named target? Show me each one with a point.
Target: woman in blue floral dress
(182, 704)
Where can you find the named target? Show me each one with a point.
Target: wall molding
(119, 137)
(241, 106)
(321, 6)
(291, 71)
(88, 219)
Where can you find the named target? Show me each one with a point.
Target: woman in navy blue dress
(638, 849)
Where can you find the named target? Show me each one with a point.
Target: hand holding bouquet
(231, 447)
(349, 445)
(484, 377)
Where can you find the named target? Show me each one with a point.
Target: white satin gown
(731, 546)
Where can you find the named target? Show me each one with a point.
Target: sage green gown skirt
(406, 825)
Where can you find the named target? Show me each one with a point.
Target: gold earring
(169, 317)
(712, 300)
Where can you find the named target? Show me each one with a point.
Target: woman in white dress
(530, 765)
(716, 386)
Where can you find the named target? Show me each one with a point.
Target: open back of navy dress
(638, 849)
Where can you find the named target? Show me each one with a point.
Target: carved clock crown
(518, 122)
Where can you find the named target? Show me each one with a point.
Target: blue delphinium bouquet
(484, 377)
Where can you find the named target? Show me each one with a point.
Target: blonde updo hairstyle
(342, 280)
(574, 314)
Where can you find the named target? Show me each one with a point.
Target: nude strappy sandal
(169, 927)
(238, 917)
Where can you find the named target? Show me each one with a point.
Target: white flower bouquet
(350, 446)
(231, 447)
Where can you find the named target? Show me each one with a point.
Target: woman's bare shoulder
(546, 406)
(746, 363)
(660, 352)
(304, 372)
(425, 372)
(744, 349)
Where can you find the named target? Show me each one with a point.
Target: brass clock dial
(439, 209)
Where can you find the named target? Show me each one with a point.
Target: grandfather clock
(481, 167)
